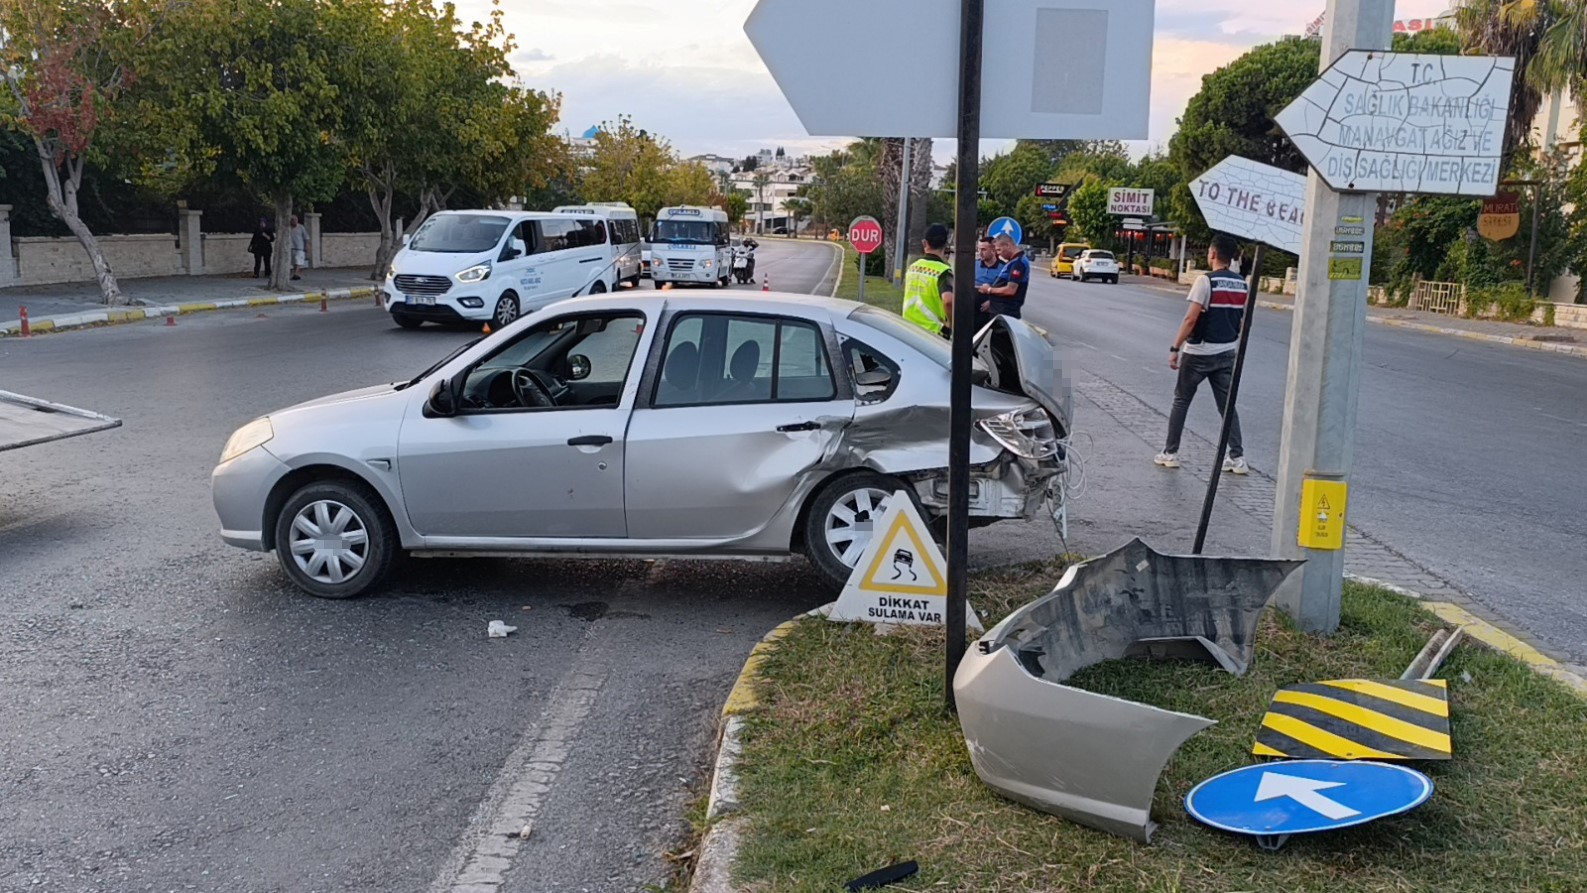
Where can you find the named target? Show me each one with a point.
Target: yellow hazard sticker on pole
(1322, 514)
(1358, 719)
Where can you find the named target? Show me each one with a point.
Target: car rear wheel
(334, 539)
(506, 310)
(839, 524)
(598, 288)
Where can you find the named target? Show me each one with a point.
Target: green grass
(877, 292)
(853, 764)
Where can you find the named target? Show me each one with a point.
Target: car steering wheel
(529, 391)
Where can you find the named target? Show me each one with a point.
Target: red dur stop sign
(865, 234)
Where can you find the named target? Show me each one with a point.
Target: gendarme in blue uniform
(1016, 272)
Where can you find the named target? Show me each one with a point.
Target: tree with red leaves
(64, 64)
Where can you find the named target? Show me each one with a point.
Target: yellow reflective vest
(923, 303)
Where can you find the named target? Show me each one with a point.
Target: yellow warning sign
(1358, 719)
(1322, 513)
(901, 576)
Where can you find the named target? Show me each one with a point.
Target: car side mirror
(511, 253)
(578, 367)
(443, 400)
(874, 378)
(405, 238)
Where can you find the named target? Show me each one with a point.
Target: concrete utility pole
(901, 251)
(1325, 348)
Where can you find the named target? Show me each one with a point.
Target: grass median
(852, 763)
(878, 292)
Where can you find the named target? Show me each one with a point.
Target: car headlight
(1027, 433)
(707, 264)
(478, 273)
(256, 433)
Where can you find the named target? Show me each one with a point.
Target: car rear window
(892, 324)
(1101, 255)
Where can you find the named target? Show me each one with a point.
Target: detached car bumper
(240, 489)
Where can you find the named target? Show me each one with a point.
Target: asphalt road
(176, 717)
(1468, 456)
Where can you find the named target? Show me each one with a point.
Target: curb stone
(719, 847)
(118, 315)
(1527, 343)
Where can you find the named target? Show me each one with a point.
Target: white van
(477, 266)
(622, 227)
(690, 244)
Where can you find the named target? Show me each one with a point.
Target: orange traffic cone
(324, 307)
(27, 327)
(170, 319)
(487, 328)
(765, 283)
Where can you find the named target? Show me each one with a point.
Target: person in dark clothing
(261, 246)
(1204, 349)
(1006, 295)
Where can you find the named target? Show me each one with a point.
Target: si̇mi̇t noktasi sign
(1404, 122)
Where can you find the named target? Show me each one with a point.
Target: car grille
(422, 285)
(680, 265)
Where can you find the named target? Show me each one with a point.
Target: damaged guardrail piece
(1092, 758)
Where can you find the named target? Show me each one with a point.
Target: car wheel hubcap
(330, 543)
(506, 311)
(851, 522)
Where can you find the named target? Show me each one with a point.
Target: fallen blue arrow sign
(1274, 800)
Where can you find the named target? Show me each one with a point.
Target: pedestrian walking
(1204, 349)
(300, 247)
(1006, 295)
(928, 285)
(261, 246)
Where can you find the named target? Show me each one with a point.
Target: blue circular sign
(1302, 796)
(1006, 226)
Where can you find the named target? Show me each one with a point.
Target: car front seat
(744, 386)
(680, 383)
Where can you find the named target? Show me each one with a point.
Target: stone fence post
(192, 238)
(9, 274)
(311, 220)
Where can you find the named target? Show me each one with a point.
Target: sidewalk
(47, 302)
(1552, 339)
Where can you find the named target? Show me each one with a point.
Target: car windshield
(459, 234)
(1101, 255)
(892, 324)
(1069, 253)
(696, 231)
(443, 361)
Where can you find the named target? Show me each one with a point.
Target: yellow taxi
(1063, 262)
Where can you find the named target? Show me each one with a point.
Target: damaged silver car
(647, 424)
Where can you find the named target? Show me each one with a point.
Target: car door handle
(799, 426)
(590, 440)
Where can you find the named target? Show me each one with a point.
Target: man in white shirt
(300, 247)
(1205, 348)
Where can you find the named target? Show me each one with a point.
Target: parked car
(646, 423)
(1063, 262)
(1097, 264)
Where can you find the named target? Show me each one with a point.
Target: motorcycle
(744, 261)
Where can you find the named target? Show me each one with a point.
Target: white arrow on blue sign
(1006, 226)
(1303, 796)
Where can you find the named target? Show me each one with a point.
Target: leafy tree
(629, 165)
(1519, 28)
(737, 204)
(1012, 176)
(1233, 113)
(690, 183)
(1088, 213)
(845, 185)
(65, 65)
(253, 84)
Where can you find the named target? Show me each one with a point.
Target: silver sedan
(646, 424)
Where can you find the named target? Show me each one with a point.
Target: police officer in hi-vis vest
(1205, 347)
(928, 286)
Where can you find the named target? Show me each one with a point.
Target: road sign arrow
(1254, 201)
(1404, 122)
(1305, 792)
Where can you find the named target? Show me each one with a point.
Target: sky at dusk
(684, 69)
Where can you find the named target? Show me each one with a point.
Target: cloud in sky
(685, 70)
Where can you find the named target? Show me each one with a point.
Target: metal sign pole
(971, 14)
(1228, 406)
(900, 256)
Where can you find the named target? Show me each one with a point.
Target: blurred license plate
(428, 300)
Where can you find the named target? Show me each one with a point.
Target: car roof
(730, 302)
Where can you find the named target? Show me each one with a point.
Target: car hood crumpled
(1088, 757)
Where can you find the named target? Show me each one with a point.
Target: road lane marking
(484, 854)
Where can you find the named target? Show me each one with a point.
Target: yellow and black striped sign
(1358, 719)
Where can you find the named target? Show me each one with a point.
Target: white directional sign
(1063, 69)
(1405, 122)
(1254, 201)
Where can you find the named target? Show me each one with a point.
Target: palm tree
(760, 181)
(1548, 55)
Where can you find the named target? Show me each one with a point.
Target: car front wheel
(506, 310)
(841, 522)
(334, 539)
